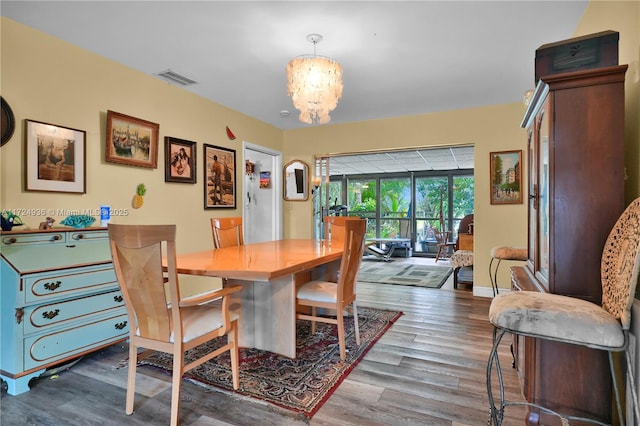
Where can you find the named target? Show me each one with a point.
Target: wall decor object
(131, 141)
(8, 220)
(265, 180)
(296, 181)
(179, 160)
(78, 221)
(506, 177)
(230, 134)
(55, 158)
(249, 167)
(8, 121)
(220, 177)
(138, 199)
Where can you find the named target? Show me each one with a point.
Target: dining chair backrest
(227, 231)
(620, 264)
(137, 257)
(172, 325)
(355, 230)
(334, 228)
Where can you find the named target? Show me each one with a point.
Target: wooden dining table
(269, 273)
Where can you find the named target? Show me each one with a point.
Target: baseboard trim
(487, 291)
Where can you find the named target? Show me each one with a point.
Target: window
(409, 204)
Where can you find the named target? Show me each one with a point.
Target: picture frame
(506, 177)
(131, 141)
(219, 177)
(179, 160)
(55, 158)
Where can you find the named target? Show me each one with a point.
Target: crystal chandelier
(314, 84)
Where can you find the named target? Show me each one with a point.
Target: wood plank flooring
(428, 369)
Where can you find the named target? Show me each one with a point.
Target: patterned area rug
(431, 276)
(301, 385)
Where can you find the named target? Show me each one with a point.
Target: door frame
(276, 183)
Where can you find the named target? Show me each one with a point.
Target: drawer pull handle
(117, 298)
(78, 236)
(51, 314)
(11, 240)
(121, 325)
(53, 286)
(55, 238)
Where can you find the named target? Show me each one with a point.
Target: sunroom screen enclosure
(406, 205)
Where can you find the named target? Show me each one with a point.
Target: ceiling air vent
(174, 77)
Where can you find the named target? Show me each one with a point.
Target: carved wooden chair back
(620, 265)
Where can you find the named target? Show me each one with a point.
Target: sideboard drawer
(46, 349)
(25, 239)
(38, 317)
(68, 282)
(92, 235)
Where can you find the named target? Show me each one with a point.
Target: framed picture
(131, 141)
(220, 177)
(506, 177)
(179, 160)
(55, 158)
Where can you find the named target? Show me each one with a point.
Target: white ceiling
(399, 57)
(403, 161)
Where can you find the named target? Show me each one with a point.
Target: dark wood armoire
(576, 173)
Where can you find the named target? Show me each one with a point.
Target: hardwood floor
(428, 369)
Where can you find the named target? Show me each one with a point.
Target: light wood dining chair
(227, 231)
(334, 228)
(337, 296)
(172, 325)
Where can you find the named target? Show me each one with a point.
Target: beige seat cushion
(319, 291)
(509, 253)
(199, 320)
(556, 317)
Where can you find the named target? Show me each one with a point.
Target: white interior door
(262, 212)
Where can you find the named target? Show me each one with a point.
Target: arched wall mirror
(296, 181)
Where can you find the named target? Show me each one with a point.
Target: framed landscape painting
(55, 158)
(506, 177)
(219, 177)
(131, 141)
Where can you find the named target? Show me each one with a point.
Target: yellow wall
(48, 80)
(494, 128)
(624, 17)
(489, 129)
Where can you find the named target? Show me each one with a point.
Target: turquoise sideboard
(59, 299)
